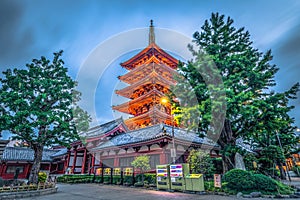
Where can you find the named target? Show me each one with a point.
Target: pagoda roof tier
(152, 78)
(146, 98)
(143, 56)
(153, 113)
(142, 71)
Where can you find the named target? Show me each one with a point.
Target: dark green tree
(201, 163)
(253, 112)
(271, 156)
(36, 106)
(143, 163)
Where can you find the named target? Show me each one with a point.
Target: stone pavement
(295, 181)
(109, 192)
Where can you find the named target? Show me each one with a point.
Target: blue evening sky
(32, 28)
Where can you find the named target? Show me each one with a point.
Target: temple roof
(103, 128)
(141, 72)
(25, 154)
(60, 152)
(153, 133)
(151, 50)
(152, 78)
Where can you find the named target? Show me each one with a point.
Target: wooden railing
(23, 188)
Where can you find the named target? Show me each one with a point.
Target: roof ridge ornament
(151, 33)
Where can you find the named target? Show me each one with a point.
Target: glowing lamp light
(164, 100)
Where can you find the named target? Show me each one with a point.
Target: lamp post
(164, 101)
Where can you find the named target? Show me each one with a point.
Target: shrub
(116, 180)
(128, 180)
(150, 178)
(42, 177)
(139, 184)
(106, 179)
(75, 178)
(264, 183)
(237, 180)
(98, 179)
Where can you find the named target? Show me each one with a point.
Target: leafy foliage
(249, 160)
(141, 162)
(42, 177)
(37, 103)
(270, 157)
(71, 178)
(253, 111)
(201, 163)
(149, 178)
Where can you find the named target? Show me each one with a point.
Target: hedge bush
(75, 178)
(149, 178)
(237, 180)
(106, 179)
(117, 180)
(98, 179)
(127, 180)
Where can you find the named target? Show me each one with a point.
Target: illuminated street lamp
(164, 101)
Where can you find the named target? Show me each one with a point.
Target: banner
(217, 180)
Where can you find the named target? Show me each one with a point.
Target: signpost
(217, 180)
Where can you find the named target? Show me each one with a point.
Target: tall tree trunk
(227, 139)
(34, 173)
(282, 172)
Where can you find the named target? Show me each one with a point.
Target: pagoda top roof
(152, 133)
(103, 128)
(151, 50)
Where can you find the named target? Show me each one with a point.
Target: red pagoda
(150, 76)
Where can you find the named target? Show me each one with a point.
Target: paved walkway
(295, 181)
(109, 192)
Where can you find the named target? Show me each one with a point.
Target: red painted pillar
(56, 169)
(1, 169)
(74, 162)
(163, 157)
(27, 170)
(93, 162)
(83, 162)
(67, 162)
(116, 161)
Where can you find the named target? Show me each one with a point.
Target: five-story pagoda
(150, 76)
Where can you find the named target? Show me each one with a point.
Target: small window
(60, 166)
(12, 169)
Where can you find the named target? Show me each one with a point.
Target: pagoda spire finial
(151, 33)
